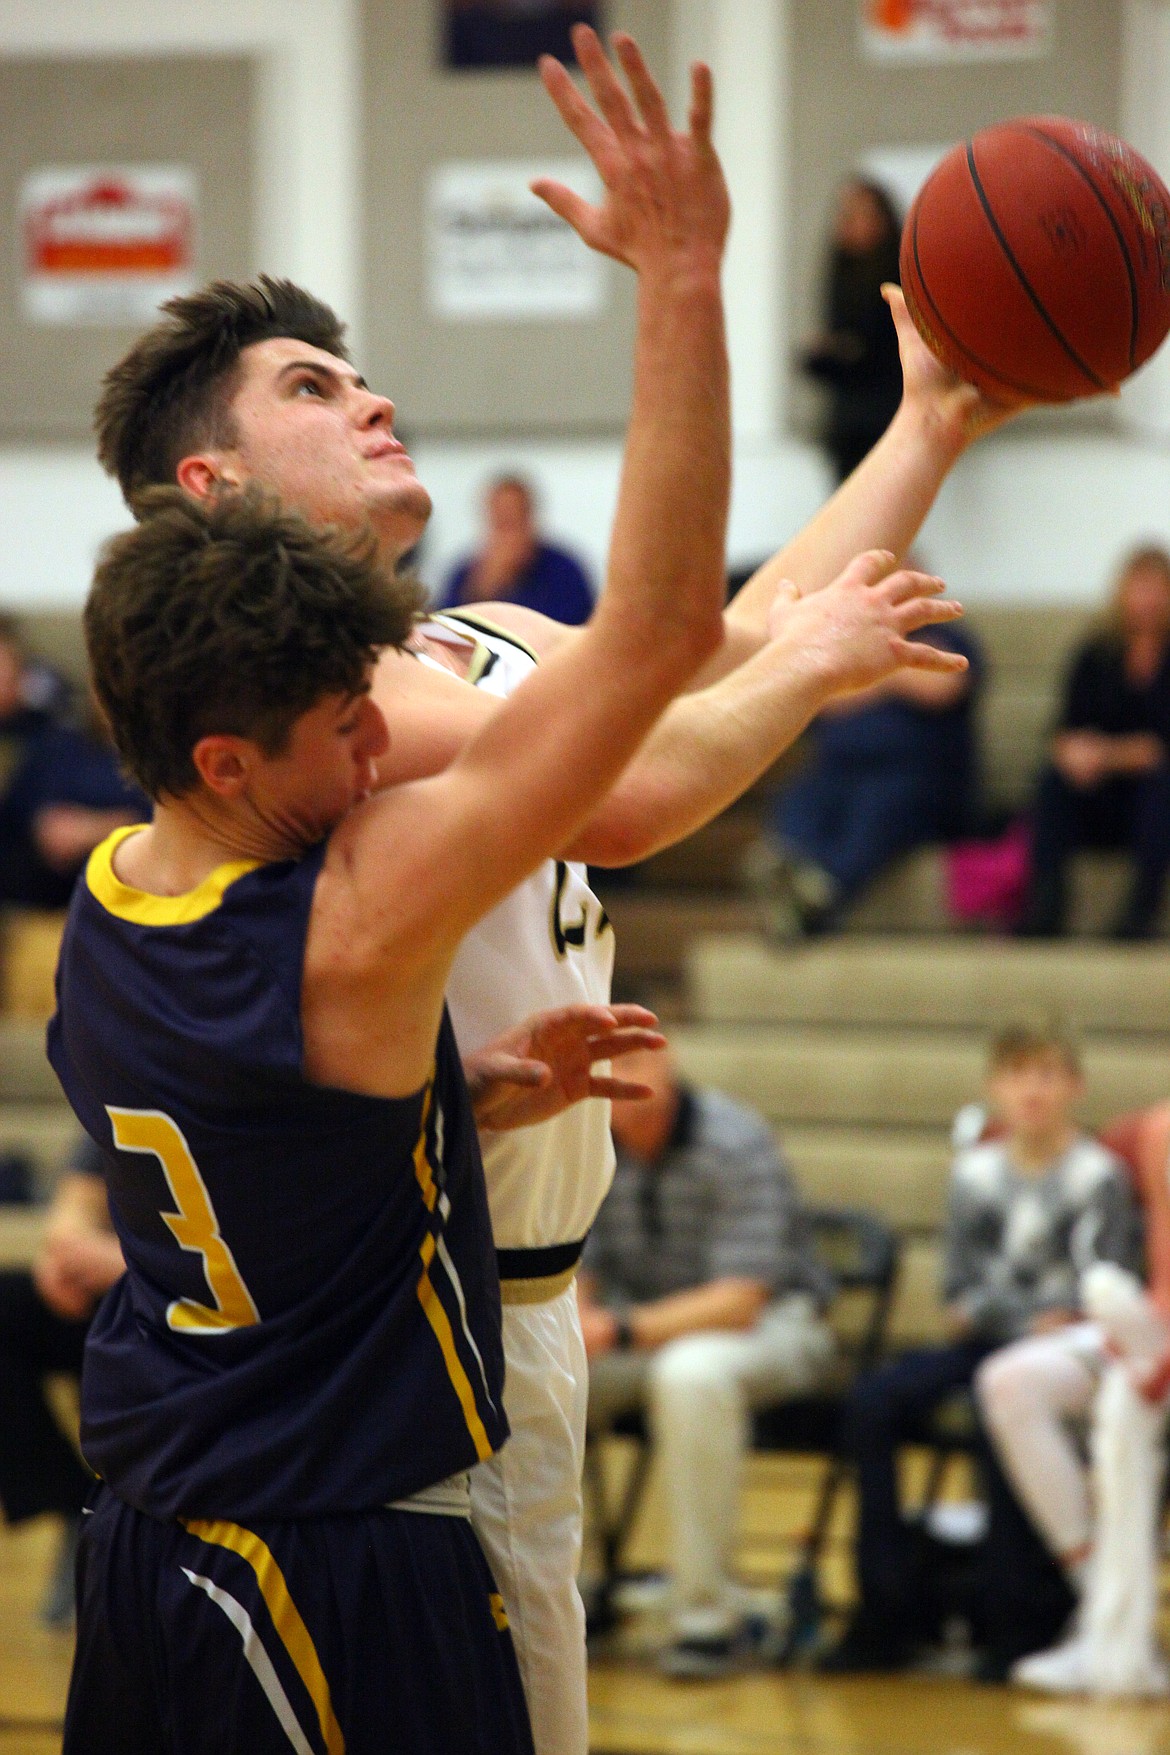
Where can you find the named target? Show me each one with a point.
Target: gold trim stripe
(141, 906)
(444, 1334)
(286, 1617)
(540, 1290)
(473, 619)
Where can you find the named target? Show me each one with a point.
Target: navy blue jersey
(310, 1318)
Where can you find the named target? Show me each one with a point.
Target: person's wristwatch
(623, 1338)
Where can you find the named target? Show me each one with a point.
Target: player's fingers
(620, 1042)
(634, 1014)
(869, 568)
(567, 205)
(612, 101)
(623, 1089)
(922, 612)
(649, 99)
(702, 114)
(917, 655)
(577, 115)
(900, 586)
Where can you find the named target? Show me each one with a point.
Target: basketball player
(305, 1353)
(245, 384)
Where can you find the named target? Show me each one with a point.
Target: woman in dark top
(856, 358)
(1108, 782)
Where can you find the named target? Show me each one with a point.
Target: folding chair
(861, 1252)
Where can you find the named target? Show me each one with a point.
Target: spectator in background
(1029, 1213)
(1102, 1523)
(513, 563)
(891, 769)
(65, 795)
(21, 719)
(1108, 782)
(44, 1319)
(700, 1298)
(856, 356)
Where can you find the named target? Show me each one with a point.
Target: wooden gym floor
(636, 1712)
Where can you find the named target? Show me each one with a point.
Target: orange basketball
(1036, 260)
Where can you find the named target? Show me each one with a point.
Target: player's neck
(190, 838)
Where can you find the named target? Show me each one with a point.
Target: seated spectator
(65, 795)
(1108, 782)
(700, 1299)
(514, 564)
(23, 716)
(1103, 1524)
(44, 1319)
(1029, 1213)
(892, 768)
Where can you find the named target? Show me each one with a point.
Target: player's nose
(378, 411)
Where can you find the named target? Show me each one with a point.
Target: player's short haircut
(1035, 1038)
(231, 616)
(172, 393)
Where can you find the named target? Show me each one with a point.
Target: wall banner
(955, 30)
(105, 244)
(496, 253)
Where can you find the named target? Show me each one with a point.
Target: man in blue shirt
(514, 564)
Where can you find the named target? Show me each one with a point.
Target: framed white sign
(105, 244)
(955, 30)
(497, 253)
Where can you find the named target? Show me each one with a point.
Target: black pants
(39, 1468)
(1133, 814)
(1020, 1599)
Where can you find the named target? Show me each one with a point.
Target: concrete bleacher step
(855, 1076)
(654, 930)
(953, 981)
(900, 1173)
(25, 1073)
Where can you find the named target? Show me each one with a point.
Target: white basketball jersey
(547, 944)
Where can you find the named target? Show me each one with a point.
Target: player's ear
(221, 762)
(201, 474)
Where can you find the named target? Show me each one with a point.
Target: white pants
(526, 1508)
(700, 1391)
(1028, 1391)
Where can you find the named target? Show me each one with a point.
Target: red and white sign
(955, 30)
(106, 243)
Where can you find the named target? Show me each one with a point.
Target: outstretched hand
(545, 1064)
(665, 199)
(856, 630)
(964, 412)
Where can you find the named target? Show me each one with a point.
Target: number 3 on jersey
(194, 1225)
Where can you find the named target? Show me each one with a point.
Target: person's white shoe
(1063, 1669)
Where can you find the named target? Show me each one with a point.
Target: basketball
(1035, 260)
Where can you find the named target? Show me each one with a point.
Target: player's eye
(309, 387)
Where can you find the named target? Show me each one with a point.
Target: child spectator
(1029, 1212)
(1103, 1524)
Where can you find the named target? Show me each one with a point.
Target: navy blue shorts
(366, 1633)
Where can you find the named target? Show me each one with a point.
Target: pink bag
(988, 880)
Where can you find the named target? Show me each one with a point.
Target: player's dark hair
(1035, 1038)
(172, 393)
(231, 616)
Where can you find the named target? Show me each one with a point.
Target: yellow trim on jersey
(473, 619)
(141, 906)
(444, 1334)
(539, 1290)
(499, 1613)
(286, 1617)
(422, 1164)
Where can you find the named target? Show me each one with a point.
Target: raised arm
(409, 872)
